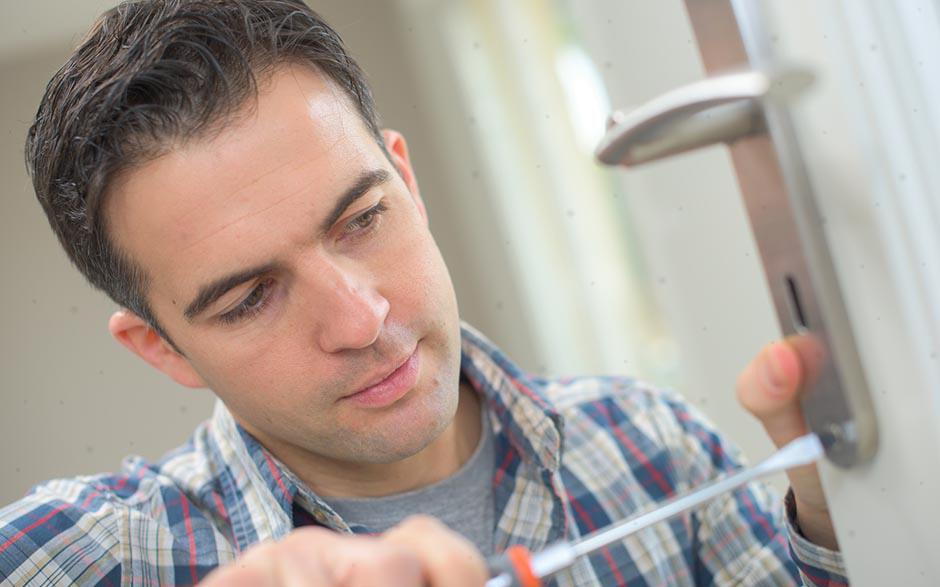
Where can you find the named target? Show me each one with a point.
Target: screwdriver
(517, 567)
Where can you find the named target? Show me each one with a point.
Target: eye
(249, 307)
(364, 220)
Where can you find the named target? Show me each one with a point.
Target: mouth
(391, 387)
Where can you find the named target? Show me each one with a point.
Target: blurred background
(570, 267)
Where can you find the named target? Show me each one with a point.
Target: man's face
(293, 266)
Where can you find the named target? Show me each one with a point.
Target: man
(215, 166)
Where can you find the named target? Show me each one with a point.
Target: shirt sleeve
(66, 537)
(818, 566)
(746, 537)
(134, 528)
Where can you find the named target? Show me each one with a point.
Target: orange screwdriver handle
(517, 563)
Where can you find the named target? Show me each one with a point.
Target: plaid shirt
(573, 455)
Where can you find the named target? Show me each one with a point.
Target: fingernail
(772, 367)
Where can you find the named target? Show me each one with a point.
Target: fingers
(294, 562)
(769, 388)
(347, 561)
(322, 558)
(447, 558)
(771, 380)
(419, 552)
(256, 568)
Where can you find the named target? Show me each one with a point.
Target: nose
(351, 312)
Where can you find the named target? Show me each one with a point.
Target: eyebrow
(212, 291)
(366, 182)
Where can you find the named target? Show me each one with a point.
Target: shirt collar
(259, 491)
(256, 494)
(516, 401)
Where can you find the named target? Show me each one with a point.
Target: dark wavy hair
(151, 74)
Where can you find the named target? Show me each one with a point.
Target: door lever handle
(719, 109)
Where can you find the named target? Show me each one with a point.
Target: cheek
(260, 372)
(417, 276)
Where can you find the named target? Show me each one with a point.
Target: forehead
(207, 205)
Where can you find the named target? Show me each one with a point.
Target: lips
(386, 390)
(388, 373)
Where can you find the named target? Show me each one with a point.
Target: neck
(437, 461)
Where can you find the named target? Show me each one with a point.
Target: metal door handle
(787, 229)
(719, 109)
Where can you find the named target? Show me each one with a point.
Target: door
(832, 125)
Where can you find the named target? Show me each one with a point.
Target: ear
(398, 149)
(137, 335)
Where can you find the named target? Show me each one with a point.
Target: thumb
(769, 388)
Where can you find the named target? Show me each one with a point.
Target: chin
(407, 432)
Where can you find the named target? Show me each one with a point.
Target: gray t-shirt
(463, 501)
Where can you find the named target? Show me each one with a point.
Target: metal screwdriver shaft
(802, 451)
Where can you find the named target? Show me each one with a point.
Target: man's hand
(419, 552)
(769, 387)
